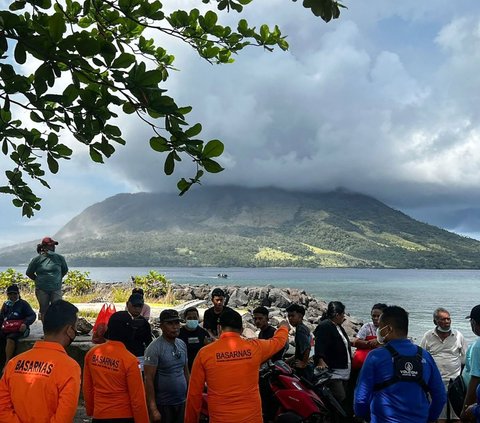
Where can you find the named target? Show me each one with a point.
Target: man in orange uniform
(112, 382)
(230, 367)
(42, 385)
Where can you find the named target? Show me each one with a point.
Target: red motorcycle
(286, 398)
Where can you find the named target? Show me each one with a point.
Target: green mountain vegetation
(232, 226)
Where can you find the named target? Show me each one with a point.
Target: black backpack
(406, 368)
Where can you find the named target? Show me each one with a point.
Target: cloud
(383, 101)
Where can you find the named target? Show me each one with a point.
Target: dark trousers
(172, 413)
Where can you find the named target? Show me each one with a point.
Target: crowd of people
(134, 378)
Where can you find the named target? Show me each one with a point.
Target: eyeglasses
(177, 354)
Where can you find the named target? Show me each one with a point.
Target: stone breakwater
(275, 299)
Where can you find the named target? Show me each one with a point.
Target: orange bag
(100, 326)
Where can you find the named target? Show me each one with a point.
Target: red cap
(49, 241)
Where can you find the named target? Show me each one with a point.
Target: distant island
(242, 227)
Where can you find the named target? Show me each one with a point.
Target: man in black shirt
(142, 332)
(260, 318)
(194, 336)
(300, 361)
(212, 315)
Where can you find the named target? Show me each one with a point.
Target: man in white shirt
(447, 347)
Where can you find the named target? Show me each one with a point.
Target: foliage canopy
(92, 62)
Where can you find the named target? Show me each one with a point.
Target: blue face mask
(192, 324)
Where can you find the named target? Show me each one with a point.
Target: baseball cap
(136, 300)
(218, 292)
(13, 288)
(49, 241)
(475, 314)
(169, 315)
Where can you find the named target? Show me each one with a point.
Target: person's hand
(285, 324)
(299, 364)
(155, 415)
(373, 343)
(321, 364)
(467, 414)
(23, 327)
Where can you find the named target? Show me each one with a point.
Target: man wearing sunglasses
(166, 372)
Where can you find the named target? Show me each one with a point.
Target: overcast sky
(383, 101)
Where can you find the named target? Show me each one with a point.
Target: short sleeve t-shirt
(170, 360)
(472, 362)
(368, 329)
(211, 319)
(302, 340)
(194, 340)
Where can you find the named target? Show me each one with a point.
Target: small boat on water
(222, 275)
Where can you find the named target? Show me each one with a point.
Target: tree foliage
(93, 62)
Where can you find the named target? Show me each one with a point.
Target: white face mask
(380, 337)
(192, 324)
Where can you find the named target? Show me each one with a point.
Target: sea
(419, 291)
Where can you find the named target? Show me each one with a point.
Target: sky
(383, 101)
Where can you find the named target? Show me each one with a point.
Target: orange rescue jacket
(41, 385)
(112, 384)
(230, 367)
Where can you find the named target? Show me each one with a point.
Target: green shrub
(78, 282)
(154, 284)
(11, 276)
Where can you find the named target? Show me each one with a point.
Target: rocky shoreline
(275, 299)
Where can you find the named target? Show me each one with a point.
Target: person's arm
(64, 266)
(87, 387)
(136, 393)
(364, 389)
(146, 311)
(148, 338)
(68, 398)
(470, 398)
(30, 272)
(359, 341)
(30, 315)
(187, 373)
(463, 348)
(195, 392)
(438, 395)
(149, 373)
(322, 344)
(268, 347)
(7, 412)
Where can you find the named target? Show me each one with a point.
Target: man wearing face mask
(400, 381)
(194, 336)
(447, 347)
(42, 385)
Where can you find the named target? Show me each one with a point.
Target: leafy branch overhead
(93, 63)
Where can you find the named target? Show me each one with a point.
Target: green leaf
(214, 148)
(52, 164)
(211, 166)
(95, 155)
(159, 144)
(57, 27)
(210, 19)
(123, 61)
(152, 77)
(112, 130)
(193, 130)
(183, 185)
(128, 108)
(20, 53)
(264, 32)
(70, 94)
(169, 163)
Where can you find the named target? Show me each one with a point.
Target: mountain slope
(233, 226)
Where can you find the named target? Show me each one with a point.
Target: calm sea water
(418, 291)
